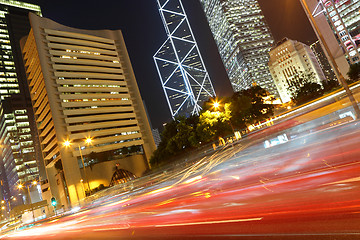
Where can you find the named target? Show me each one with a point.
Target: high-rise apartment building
(243, 39)
(20, 156)
(338, 23)
(290, 62)
(323, 61)
(185, 80)
(83, 87)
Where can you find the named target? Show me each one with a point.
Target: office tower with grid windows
(339, 23)
(323, 61)
(184, 78)
(243, 39)
(20, 154)
(82, 86)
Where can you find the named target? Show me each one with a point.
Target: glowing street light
(216, 105)
(20, 186)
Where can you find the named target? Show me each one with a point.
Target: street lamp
(67, 143)
(20, 186)
(216, 105)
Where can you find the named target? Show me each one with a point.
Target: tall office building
(20, 156)
(289, 61)
(338, 22)
(243, 39)
(185, 80)
(18, 151)
(323, 61)
(82, 86)
(14, 24)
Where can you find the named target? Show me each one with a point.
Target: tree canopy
(308, 92)
(215, 120)
(308, 88)
(354, 72)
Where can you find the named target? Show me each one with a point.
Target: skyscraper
(14, 24)
(185, 80)
(291, 61)
(243, 39)
(323, 61)
(338, 22)
(20, 155)
(18, 144)
(82, 87)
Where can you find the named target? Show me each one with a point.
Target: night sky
(144, 33)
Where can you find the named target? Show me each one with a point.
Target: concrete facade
(82, 86)
(288, 61)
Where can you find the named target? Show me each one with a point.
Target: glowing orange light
(67, 143)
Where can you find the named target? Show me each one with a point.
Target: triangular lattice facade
(184, 77)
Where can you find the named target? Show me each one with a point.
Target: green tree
(245, 107)
(354, 72)
(178, 135)
(309, 91)
(249, 106)
(214, 123)
(330, 85)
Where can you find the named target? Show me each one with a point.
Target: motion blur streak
(210, 222)
(306, 188)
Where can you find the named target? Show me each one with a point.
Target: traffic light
(53, 201)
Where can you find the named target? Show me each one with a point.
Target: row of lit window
(95, 99)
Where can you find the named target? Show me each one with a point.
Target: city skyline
(138, 22)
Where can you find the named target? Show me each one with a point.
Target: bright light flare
(88, 140)
(158, 190)
(193, 179)
(67, 143)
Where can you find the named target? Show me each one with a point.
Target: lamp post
(20, 186)
(333, 62)
(67, 143)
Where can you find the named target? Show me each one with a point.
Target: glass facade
(20, 153)
(343, 17)
(183, 75)
(243, 39)
(323, 61)
(8, 75)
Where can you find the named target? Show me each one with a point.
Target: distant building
(243, 39)
(184, 78)
(83, 87)
(338, 22)
(289, 60)
(156, 135)
(323, 61)
(20, 154)
(18, 151)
